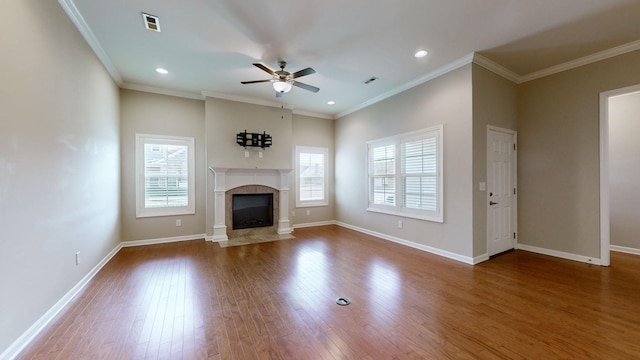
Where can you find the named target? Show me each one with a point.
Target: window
(405, 175)
(164, 175)
(311, 175)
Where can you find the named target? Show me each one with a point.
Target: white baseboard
(319, 223)
(163, 240)
(559, 254)
(21, 343)
(481, 258)
(624, 249)
(429, 249)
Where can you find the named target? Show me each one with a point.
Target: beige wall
(316, 132)
(624, 170)
(145, 113)
(494, 103)
(445, 100)
(59, 162)
(224, 119)
(558, 161)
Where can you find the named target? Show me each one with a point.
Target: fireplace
(251, 211)
(229, 182)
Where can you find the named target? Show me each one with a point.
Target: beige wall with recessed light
(445, 100)
(624, 170)
(59, 163)
(558, 154)
(146, 113)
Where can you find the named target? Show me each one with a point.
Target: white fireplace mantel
(229, 178)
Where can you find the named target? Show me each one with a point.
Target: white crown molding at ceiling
(313, 114)
(247, 100)
(586, 60)
(161, 91)
(496, 68)
(429, 76)
(76, 18)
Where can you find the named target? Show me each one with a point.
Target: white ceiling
(208, 46)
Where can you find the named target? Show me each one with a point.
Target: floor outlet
(78, 258)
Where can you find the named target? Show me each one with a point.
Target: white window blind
(312, 176)
(165, 175)
(419, 174)
(405, 176)
(382, 177)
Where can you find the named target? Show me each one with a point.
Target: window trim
(398, 209)
(313, 150)
(141, 210)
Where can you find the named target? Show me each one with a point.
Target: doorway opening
(605, 169)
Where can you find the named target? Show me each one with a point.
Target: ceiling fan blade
(264, 68)
(255, 81)
(305, 86)
(303, 72)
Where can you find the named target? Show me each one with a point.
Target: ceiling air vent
(368, 81)
(151, 22)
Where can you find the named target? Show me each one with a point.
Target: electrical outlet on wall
(308, 212)
(178, 222)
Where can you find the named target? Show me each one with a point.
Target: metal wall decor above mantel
(245, 139)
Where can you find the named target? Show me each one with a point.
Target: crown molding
(586, 60)
(496, 68)
(247, 100)
(162, 91)
(76, 18)
(429, 76)
(313, 114)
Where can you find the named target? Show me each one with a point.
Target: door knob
(492, 203)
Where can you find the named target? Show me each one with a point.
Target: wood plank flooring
(195, 300)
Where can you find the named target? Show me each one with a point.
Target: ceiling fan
(283, 80)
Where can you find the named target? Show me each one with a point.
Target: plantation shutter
(382, 181)
(312, 175)
(166, 175)
(420, 173)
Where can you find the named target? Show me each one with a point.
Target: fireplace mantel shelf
(226, 179)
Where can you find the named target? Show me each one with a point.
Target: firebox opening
(252, 210)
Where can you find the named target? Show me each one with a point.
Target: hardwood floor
(194, 300)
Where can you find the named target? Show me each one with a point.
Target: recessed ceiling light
(421, 53)
(331, 102)
(162, 71)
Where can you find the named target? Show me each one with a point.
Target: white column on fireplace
(227, 178)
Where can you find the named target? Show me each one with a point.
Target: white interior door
(501, 190)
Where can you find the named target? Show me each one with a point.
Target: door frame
(514, 220)
(605, 225)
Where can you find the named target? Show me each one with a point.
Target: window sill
(164, 212)
(310, 204)
(437, 219)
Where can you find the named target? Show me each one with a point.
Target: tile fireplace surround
(226, 179)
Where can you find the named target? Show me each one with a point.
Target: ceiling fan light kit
(282, 86)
